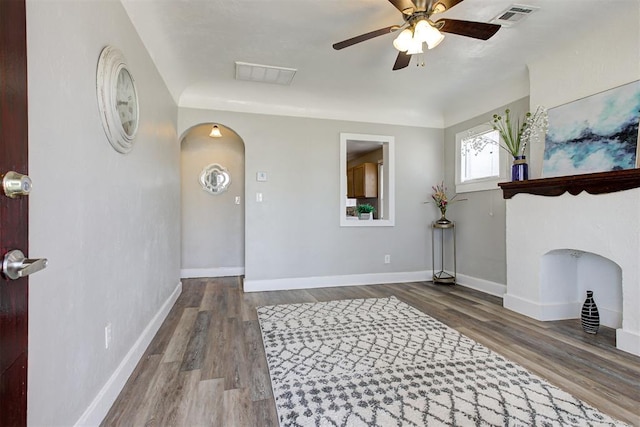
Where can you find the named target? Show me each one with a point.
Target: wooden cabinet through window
(362, 181)
(351, 193)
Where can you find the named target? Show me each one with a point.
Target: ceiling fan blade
(364, 37)
(439, 6)
(477, 30)
(405, 6)
(402, 61)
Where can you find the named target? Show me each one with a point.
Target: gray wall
(480, 220)
(295, 231)
(212, 225)
(108, 223)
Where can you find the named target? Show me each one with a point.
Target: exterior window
(480, 156)
(480, 163)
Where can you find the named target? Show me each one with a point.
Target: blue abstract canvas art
(594, 134)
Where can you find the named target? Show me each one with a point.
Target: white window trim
(388, 149)
(484, 183)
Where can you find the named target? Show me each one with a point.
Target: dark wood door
(13, 212)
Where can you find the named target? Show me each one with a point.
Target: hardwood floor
(206, 365)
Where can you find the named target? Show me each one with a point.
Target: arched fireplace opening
(567, 274)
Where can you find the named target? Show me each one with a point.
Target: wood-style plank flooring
(206, 365)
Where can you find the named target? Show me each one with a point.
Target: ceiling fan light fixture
(403, 41)
(215, 132)
(421, 29)
(439, 8)
(427, 33)
(416, 47)
(434, 39)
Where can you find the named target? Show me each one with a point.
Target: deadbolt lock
(15, 184)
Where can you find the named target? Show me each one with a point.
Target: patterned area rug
(380, 362)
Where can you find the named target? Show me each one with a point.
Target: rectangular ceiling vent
(264, 73)
(513, 14)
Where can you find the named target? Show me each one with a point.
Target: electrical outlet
(107, 336)
(258, 197)
(387, 259)
(237, 200)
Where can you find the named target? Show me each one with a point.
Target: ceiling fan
(418, 28)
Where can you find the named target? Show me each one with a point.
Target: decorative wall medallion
(117, 99)
(215, 179)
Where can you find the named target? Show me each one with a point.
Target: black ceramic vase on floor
(590, 315)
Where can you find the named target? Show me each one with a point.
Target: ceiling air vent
(264, 73)
(513, 15)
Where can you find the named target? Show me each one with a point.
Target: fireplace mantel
(592, 183)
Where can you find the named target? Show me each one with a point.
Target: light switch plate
(261, 176)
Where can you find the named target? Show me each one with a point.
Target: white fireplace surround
(607, 225)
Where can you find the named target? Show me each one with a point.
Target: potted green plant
(365, 211)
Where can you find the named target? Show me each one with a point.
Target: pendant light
(215, 132)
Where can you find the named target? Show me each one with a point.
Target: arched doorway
(212, 221)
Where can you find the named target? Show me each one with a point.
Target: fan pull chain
(420, 60)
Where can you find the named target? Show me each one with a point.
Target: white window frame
(388, 156)
(482, 184)
(381, 211)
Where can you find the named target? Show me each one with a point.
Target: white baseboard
(334, 281)
(544, 312)
(486, 286)
(191, 273)
(559, 311)
(628, 341)
(521, 305)
(100, 406)
(625, 340)
(608, 317)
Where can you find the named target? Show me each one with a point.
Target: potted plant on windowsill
(365, 211)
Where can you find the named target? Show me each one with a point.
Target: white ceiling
(195, 44)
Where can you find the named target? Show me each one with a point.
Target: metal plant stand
(439, 275)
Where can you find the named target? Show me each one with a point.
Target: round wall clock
(117, 99)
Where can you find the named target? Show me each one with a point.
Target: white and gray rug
(380, 362)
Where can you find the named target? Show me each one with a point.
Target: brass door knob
(15, 184)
